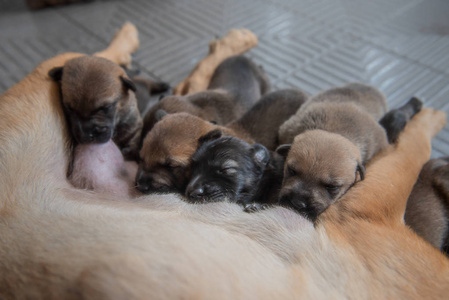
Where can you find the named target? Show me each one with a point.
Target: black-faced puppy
(427, 211)
(235, 85)
(395, 120)
(333, 139)
(227, 168)
(100, 103)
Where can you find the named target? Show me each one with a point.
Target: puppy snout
(196, 194)
(100, 129)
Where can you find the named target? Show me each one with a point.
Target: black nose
(143, 187)
(196, 194)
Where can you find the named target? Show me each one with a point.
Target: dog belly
(101, 168)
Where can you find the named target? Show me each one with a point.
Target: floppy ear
(160, 113)
(283, 149)
(56, 73)
(260, 154)
(361, 170)
(210, 136)
(128, 83)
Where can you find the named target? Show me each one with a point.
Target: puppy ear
(56, 73)
(128, 83)
(260, 154)
(160, 113)
(361, 170)
(283, 149)
(210, 136)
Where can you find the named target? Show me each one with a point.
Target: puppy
(167, 148)
(427, 211)
(395, 120)
(100, 103)
(227, 168)
(336, 134)
(234, 87)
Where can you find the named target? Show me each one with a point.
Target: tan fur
(235, 42)
(61, 243)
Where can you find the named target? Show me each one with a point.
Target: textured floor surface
(399, 46)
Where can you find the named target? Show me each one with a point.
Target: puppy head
(93, 90)
(226, 168)
(167, 150)
(320, 167)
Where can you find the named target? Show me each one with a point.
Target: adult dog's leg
(382, 196)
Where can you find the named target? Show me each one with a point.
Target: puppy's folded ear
(260, 155)
(210, 136)
(361, 171)
(160, 113)
(128, 84)
(56, 73)
(283, 149)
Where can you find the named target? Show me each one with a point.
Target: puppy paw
(255, 207)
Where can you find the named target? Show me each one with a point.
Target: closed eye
(332, 189)
(227, 171)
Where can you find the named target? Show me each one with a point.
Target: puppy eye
(227, 171)
(332, 189)
(291, 171)
(106, 109)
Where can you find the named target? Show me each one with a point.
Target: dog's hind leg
(382, 196)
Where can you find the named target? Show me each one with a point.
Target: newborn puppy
(427, 211)
(100, 103)
(227, 168)
(235, 85)
(175, 139)
(395, 120)
(101, 168)
(335, 134)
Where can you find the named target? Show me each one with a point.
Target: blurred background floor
(399, 46)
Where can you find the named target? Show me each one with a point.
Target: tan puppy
(63, 243)
(427, 211)
(166, 152)
(337, 134)
(237, 83)
(100, 103)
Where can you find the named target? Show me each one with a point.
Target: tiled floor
(399, 46)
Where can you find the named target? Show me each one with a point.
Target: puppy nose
(300, 204)
(100, 129)
(142, 187)
(197, 193)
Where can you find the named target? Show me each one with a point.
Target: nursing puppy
(227, 168)
(336, 134)
(427, 211)
(100, 103)
(167, 148)
(235, 85)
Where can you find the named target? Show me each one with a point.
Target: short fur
(100, 103)
(229, 168)
(175, 138)
(427, 211)
(62, 243)
(235, 86)
(335, 134)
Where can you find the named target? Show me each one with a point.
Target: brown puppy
(336, 134)
(100, 103)
(235, 85)
(168, 147)
(427, 211)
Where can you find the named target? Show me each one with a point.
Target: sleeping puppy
(335, 137)
(100, 103)
(227, 168)
(167, 148)
(427, 211)
(235, 85)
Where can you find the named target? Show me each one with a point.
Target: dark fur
(395, 120)
(263, 120)
(427, 211)
(235, 85)
(100, 103)
(145, 89)
(229, 168)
